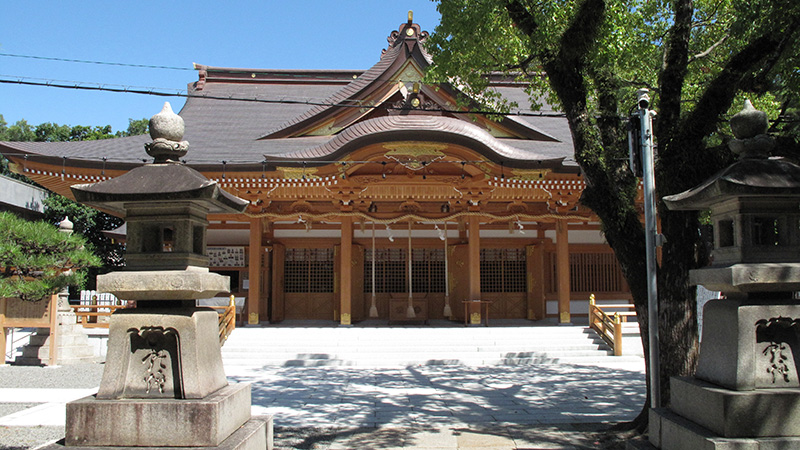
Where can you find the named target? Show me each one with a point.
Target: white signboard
(225, 256)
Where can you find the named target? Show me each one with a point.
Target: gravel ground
(64, 377)
(19, 438)
(11, 408)
(76, 376)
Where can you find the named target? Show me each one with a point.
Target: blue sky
(312, 34)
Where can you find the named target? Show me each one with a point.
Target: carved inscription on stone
(154, 366)
(777, 346)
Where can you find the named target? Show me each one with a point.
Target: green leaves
(22, 131)
(37, 260)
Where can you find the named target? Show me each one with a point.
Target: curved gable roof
(420, 128)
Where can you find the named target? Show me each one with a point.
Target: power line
(103, 63)
(25, 81)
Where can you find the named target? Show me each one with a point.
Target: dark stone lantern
(755, 210)
(746, 390)
(163, 381)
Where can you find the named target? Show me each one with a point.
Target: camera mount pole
(652, 240)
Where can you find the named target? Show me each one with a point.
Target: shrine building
(374, 195)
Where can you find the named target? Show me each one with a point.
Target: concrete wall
(22, 198)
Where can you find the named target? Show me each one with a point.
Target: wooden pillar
(474, 268)
(266, 265)
(3, 329)
(536, 287)
(54, 332)
(254, 269)
(562, 265)
(346, 276)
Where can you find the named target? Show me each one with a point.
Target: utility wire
(25, 81)
(103, 63)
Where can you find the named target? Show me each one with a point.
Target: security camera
(642, 98)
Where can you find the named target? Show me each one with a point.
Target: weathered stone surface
(186, 340)
(678, 433)
(728, 413)
(256, 434)
(748, 277)
(158, 422)
(166, 125)
(164, 285)
(734, 356)
(747, 123)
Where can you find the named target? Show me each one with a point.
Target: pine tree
(37, 260)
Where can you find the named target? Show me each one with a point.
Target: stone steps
(288, 346)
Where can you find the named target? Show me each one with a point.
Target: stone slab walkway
(433, 407)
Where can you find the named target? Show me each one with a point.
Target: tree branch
(674, 71)
(744, 69)
(709, 50)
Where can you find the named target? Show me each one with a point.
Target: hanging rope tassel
(373, 309)
(410, 314)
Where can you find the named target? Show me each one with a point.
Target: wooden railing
(609, 327)
(227, 320)
(89, 316)
(95, 316)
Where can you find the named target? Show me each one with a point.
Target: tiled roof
(231, 110)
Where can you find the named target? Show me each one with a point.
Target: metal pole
(651, 241)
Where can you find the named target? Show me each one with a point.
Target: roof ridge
(364, 80)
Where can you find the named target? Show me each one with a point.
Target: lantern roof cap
(745, 178)
(168, 182)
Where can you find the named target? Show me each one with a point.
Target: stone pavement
(434, 407)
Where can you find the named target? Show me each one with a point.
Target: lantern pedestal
(746, 391)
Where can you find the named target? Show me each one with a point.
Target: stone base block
(669, 431)
(728, 413)
(205, 422)
(255, 434)
(163, 353)
(192, 283)
(749, 346)
(639, 444)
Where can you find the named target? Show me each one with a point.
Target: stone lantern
(746, 391)
(163, 383)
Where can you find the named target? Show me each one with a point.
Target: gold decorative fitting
(415, 155)
(564, 317)
(475, 318)
(298, 173)
(252, 319)
(529, 175)
(345, 319)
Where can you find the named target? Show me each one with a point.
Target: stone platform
(255, 434)
(158, 422)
